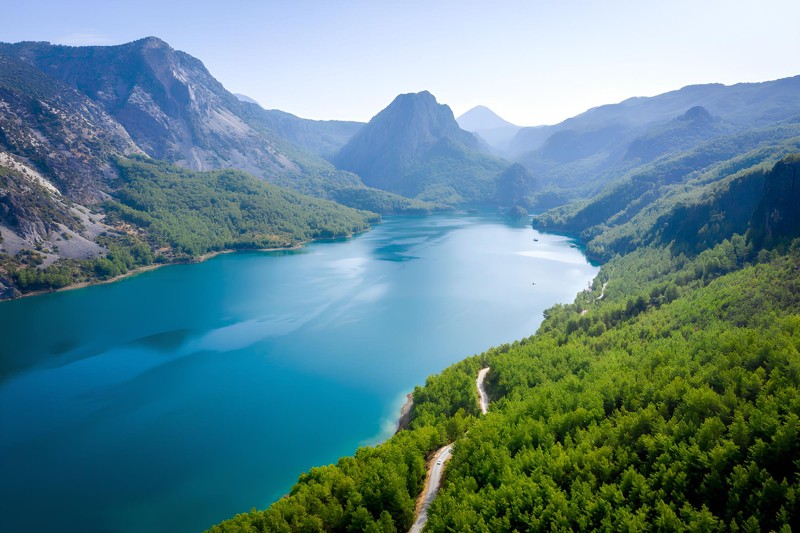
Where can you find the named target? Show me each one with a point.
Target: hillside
(70, 113)
(162, 213)
(578, 157)
(175, 110)
(671, 401)
(415, 148)
(705, 185)
(171, 108)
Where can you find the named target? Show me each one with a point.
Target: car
(439, 462)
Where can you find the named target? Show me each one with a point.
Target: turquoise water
(179, 397)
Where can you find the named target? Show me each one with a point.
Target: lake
(178, 397)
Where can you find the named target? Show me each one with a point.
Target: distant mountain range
(70, 113)
(578, 157)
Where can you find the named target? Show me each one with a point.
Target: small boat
(535, 240)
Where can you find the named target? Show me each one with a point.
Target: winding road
(602, 292)
(484, 398)
(432, 485)
(439, 461)
(602, 295)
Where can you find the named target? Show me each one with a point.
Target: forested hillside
(670, 402)
(579, 157)
(70, 112)
(163, 213)
(696, 198)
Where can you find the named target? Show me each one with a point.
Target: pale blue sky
(533, 62)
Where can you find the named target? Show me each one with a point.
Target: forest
(163, 213)
(671, 403)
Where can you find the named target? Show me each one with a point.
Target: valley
(215, 384)
(630, 275)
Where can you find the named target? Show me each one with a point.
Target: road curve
(439, 461)
(482, 390)
(602, 292)
(432, 483)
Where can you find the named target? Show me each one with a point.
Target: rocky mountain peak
(150, 43)
(411, 133)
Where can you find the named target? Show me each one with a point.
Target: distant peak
(422, 95)
(481, 117)
(151, 42)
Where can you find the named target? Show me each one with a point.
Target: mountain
(320, 137)
(744, 105)
(56, 164)
(56, 131)
(496, 131)
(680, 133)
(641, 205)
(482, 118)
(415, 147)
(173, 109)
(245, 98)
(71, 118)
(578, 157)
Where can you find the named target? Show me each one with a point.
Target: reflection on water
(182, 396)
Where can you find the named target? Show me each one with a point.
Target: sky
(533, 62)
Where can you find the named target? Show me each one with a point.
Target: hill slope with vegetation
(704, 194)
(162, 213)
(671, 402)
(578, 157)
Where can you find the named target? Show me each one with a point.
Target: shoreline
(154, 266)
(405, 413)
(200, 259)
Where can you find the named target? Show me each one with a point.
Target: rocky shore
(405, 413)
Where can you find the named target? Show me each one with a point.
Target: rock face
(170, 107)
(63, 134)
(166, 100)
(777, 217)
(415, 147)
(67, 112)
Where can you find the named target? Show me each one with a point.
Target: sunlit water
(179, 397)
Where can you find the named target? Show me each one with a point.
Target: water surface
(179, 397)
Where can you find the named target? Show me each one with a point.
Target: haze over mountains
(69, 113)
(492, 128)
